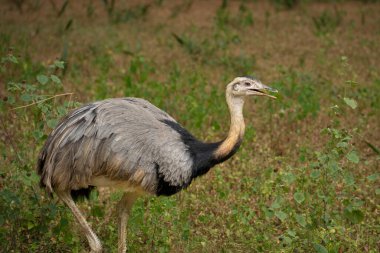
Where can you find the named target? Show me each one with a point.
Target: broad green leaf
(44, 107)
(319, 248)
(373, 177)
(323, 158)
(291, 233)
(277, 203)
(289, 178)
(52, 123)
(349, 179)
(55, 79)
(342, 144)
(281, 215)
(353, 156)
(299, 197)
(315, 174)
(268, 213)
(11, 99)
(355, 215)
(13, 59)
(26, 97)
(38, 134)
(42, 79)
(30, 225)
(377, 191)
(301, 220)
(59, 64)
(287, 239)
(351, 102)
(333, 166)
(61, 110)
(30, 88)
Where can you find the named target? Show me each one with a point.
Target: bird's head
(248, 86)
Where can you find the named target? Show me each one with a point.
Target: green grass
(306, 177)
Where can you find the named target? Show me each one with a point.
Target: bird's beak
(265, 89)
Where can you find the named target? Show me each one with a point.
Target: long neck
(207, 155)
(237, 127)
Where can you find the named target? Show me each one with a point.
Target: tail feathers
(45, 181)
(40, 169)
(41, 162)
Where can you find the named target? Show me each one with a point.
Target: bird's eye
(247, 84)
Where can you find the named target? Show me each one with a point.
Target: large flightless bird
(129, 144)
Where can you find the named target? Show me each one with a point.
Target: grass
(306, 177)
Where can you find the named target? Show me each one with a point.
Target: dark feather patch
(81, 194)
(201, 153)
(164, 188)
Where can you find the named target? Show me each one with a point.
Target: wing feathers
(123, 139)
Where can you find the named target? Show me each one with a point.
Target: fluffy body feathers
(123, 139)
(129, 143)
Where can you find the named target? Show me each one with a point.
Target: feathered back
(121, 139)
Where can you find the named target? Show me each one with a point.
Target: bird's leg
(123, 209)
(93, 240)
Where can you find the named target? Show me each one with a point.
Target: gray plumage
(130, 144)
(114, 138)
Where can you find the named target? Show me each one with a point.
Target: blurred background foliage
(306, 178)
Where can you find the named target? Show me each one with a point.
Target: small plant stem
(324, 193)
(43, 100)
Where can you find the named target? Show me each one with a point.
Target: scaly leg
(123, 209)
(93, 240)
